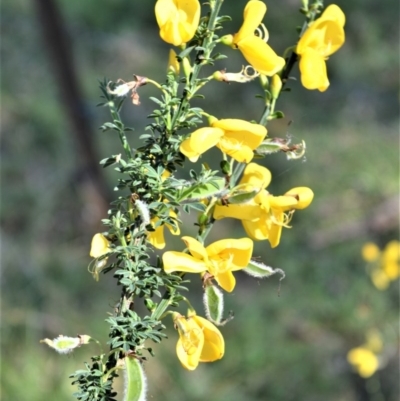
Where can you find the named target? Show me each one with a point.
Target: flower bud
(276, 86)
(173, 63)
(225, 167)
(227, 40)
(187, 68)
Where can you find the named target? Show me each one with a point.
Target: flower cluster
(383, 266)
(155, 194)
(364, 358)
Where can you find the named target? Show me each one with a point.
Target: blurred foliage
(287, 344)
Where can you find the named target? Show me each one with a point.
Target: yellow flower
(199, 341)
(370, 252)
(391, 260)
(255, 49)
(156, 237)
(264, 216)
(100, 246)
(380, 279)
(177, 19)
(364, 361)
(220, 259)
(236, 138)
(323, 37)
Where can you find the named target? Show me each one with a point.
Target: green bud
(225, 167)
(227, 40)
(202, 219)
(187, 68)
(264, 81)
(213, 303)
(150, 304)
(276, 86)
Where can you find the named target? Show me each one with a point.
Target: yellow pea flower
(391, 260)
(177, 19)
(236, 138)
(199, 341)
(100, 246)
(255, 49)
(363, 360)
(323, 37)
(220, 259)
(265, 215)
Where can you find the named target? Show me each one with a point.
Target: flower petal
(245, 211)
(99, 246)
(182, 262)
(260, 55)
(226, 281)
(196, 249)
(333, 12)
(257, 176)
(200, 141)
(243, 131)
(190, 343)
(253, 15)
(304, 196)
(236, 150)
(239, 251)
(214, 344)
(257, 229)
(313, 71)
(156, 238)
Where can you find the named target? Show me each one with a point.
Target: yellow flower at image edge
(255, 49)
(199, 341)
(220, 259)
(177, 19)
(323, 37)
(364, 361)
(100, 246)
(236, 138)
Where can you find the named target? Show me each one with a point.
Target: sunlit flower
(220, 259)
(265, 215)
(254, 48)
(100, 246)
(363, 360)
(236, 138)
(199, 341)
(322, 38)
(177, 19)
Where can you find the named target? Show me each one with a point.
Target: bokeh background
(282, 345)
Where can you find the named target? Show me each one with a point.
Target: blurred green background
(282, 345)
